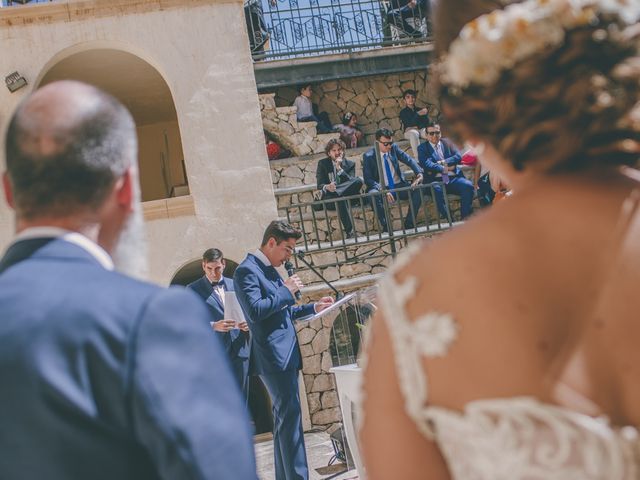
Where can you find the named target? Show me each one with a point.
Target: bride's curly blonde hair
(564, 108)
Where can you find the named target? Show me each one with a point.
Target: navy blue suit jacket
(270, 310)
(106, 377)
(428, 160)
(370, 166)
(236, 342)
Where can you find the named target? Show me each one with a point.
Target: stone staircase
(301, 138)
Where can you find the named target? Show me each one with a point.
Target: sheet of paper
(232, 308)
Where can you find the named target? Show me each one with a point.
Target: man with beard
(95, 377)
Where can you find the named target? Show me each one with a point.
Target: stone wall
(315, 339)
(376, 100)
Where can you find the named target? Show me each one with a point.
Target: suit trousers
(346, 189)
(240, 368)
(290, 457)
(416, 202)
(458, 186)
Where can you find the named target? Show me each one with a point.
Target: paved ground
(319, 452)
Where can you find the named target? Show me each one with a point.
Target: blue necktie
(387, 169)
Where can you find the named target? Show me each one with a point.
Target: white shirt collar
(262, 257)
(434, 145)
(95, 250)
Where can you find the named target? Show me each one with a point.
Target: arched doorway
(140, 87)
(259, 401)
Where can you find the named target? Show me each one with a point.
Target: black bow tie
(218, 284)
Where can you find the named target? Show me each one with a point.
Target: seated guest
(413, 119)
(439, 159)
(402, 10)
(232, 333)
(336, 178)
(306, 110)
(392, 177)
(349, 132)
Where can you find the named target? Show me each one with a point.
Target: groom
(268, 302)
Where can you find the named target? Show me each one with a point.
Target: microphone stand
(300, 256)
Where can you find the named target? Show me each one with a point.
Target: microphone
(288, 266)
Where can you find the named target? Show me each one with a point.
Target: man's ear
(8, 190)
(124, 190)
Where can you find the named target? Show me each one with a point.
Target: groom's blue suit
(106, 377)
(275, 356)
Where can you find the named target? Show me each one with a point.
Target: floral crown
(495, 42)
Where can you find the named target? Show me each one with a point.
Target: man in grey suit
(102, 376)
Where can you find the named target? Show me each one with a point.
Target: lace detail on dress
(523, 439)
(430, 335)
(497, 439)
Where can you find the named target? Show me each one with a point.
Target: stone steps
(301, 138)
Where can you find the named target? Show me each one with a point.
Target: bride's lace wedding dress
(498, 439)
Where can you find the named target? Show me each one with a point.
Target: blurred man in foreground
(96, 382)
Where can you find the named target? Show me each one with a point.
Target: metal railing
(18, 3)
(293, 28)
(324, 230)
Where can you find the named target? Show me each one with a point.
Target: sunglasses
(386, 144)
(435, 133)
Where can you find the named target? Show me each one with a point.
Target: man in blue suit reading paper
(233, 333)
(268, 302)
(102, 376)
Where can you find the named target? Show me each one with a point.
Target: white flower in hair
(495, 42)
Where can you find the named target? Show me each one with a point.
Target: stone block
(362, 100)
(306, 351)
(312, 365)
(321, 383)
(305, 336)
(394, 92)
(313, 400)
(320, 342)
(308, 382)
(326, 417)
(326, 363)
(329, 86)
(329, 399)
(346, 95)
(408, 85)
(378, 269)
(324, 258)
(390, 103)
(293, 172)
(331, 274)
(359, 85)
(395, 125)
(353, 270)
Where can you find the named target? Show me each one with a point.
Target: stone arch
(137, 81)
(192, 270)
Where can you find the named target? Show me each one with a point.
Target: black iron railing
(14, 3)
(293, 28)
(323, 228)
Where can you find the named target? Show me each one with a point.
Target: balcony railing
(17, 3)
(296, 28)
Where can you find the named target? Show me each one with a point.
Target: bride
(534, 372)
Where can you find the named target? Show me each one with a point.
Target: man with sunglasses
(439, 159)
(268, 302)
(392, 178)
